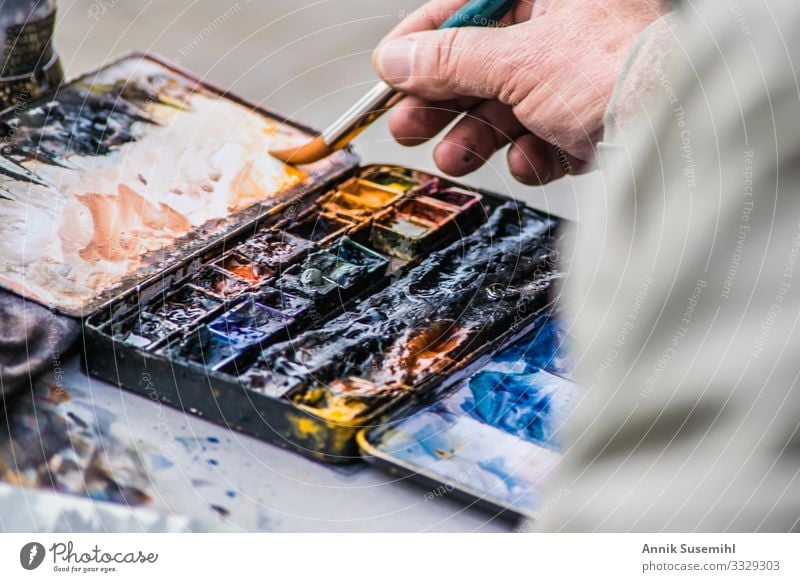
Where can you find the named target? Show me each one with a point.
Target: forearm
(641, 79)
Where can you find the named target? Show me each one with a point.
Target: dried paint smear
(124, 173)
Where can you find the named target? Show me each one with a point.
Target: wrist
(638, 85)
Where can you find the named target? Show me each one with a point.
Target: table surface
(105, 445)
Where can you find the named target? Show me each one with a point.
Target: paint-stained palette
(497, 436)
(301, 306)
(127, 171)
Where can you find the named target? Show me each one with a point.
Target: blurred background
(307, 59)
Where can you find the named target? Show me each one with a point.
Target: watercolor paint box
(298, 305)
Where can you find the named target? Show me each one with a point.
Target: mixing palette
(497, 437)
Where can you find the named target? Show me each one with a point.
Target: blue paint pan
(247, 325)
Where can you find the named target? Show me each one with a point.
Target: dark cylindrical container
(29, 64)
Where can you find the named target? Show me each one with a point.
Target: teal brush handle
(479, 13)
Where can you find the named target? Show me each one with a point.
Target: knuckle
(447, 55)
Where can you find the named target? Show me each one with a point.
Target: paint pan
(243, 268)
(249, 323)
(219, 283)
(321, 228)
(359, 199)
(203, 348)
(273, 250)
(307, 279)
(266, 317)
(411, 228)
(370, 194)
(466, 204)
(393, 182)
(286, 303)
(143, 330)
(462, 201)
(337, 273)
(497, 436)
(397, 178)
(344, 204)
(356, 266)
(147, 327)
(186, 306)
(217, 344)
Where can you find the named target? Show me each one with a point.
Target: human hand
(540, 82)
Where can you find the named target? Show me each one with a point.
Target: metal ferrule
(371, 106)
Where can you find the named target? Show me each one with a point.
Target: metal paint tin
(133, 323)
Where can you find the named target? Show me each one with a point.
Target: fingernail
(394, 60)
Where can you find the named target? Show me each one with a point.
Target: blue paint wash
(498, 434)
(520, 392)
(532, 406)
(546, 347)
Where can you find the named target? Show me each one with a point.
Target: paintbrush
(383, 97)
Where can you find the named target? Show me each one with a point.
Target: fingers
(534, 8)
(527, 9)
(414, 121)
(533, 161)
(476, 137)
(483, 130)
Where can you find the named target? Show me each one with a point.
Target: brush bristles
(309, 153)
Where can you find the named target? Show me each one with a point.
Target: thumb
(444, 64)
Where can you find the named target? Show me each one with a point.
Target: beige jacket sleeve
(684, 290)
